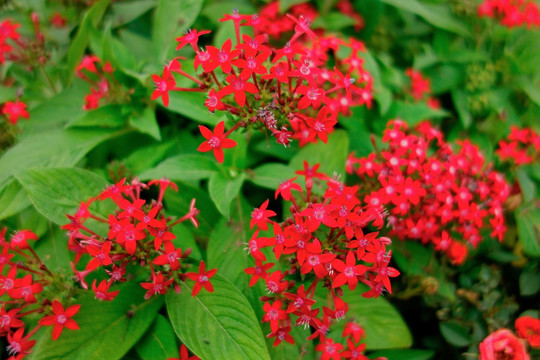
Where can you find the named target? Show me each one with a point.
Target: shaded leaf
(183, 167)
(13, 199)
(146, 122)
(455, 333)
(159, 342)
(271, 175)
(223, 190)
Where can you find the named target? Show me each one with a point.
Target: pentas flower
(202, 279)
(294, 92)
(184, 354)
(15, 110)
(432, 193)
(216, 141)
(528, 328)
(136, 232)
(61, 318)
(315, 251)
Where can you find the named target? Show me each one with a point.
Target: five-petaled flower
(215, 141)
(202, 279)
(61, 318)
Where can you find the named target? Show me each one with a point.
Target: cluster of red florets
(421, 88)
(26, 287)
(522, 146)
(105, 88)
(511, 12)
(433, 193)
(271, 21)
(288, 92)
(323, 243)
(138, 233)
(503, 344)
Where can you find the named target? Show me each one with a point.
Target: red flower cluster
(522, 146)
(322, 243)
(271, 21)
(104, 86)
(511, 12)
(22, 285)
(503, 344)
(138, 232)
(25, 51)
(432, 193)
(289, 92)
(421, 88)
(15, 110)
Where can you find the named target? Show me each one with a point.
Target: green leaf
(529, 283)
(107, 116)
(404, 354)
(438, 15)
(532, 90)
(191, 105)
(53, 251)
(231, 330)
(123, 13)
(223, 190)
(334, 21)
(527, 186)
(159, 342)
(56, 148)
(455, 333)
(183, 167)
(13, 199)
(413, 113)
(332, 156)
(459, 97)
(108, 329)
(384, 326)
(147, 157)
(171, 18)
(528, 226)
(80, 42)
(271, 175)
(146, 123)
(285, 5)
(56, 192)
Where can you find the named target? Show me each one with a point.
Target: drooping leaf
(13, 199)
(159, 342)
(56, 192)
(191, 105)
(107, 116)
(528, 226)
(145, 121)
(108, 329)
(125, 12)
(223, 190)
(455, 333)
(183, 167)
(231, 330)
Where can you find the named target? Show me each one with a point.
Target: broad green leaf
(183, 167)
(223, 190)
(334, 21)
(125, 12)
(455, 333)
(80, 42)
(413, 113)
(56, 192)
(438, 15)
(404, 354)
(52, 249)
(271, 175)
(107, 116)
(147, 157)
(159, 342)
(146, 122)
(56, 148)
(528, 226)
(527, 186)
(108, 329)
(13, 199)
(171, 18)
(191, 105)
(529, 283)
(231, 330)
(384, 326)
(7, 94)
(332, 156)
(186, 240)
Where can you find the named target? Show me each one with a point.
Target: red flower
(61, 318)
(158, 286)
(15, 110)
(502, 344)
(19, 345)
(202, 279)
(102, 291)
(100, 255)
(215, 141)
(191, 37)
(222, 57)
(19, 239)
(163, 86)
(238, 85)
(330, 349)
(260, 216)
(184, 354)
(171, 256)
(274, 313)
(285, 189)
(349, 271)
(529, 328)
